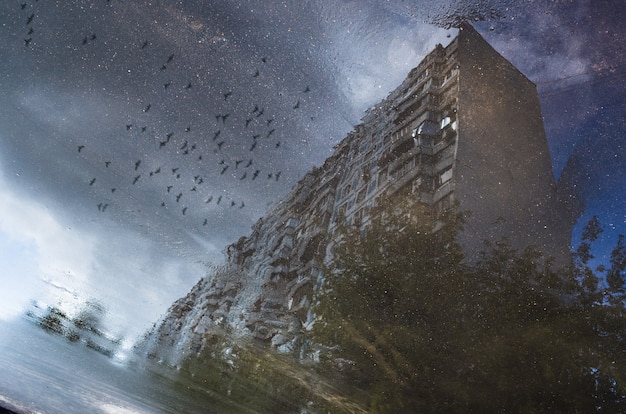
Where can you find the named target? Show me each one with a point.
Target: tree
(54, 321)
(90, 317)
(391, 297)
(615, 275)
(585, 275)
(421, 331)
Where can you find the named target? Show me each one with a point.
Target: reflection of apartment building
(465, 126)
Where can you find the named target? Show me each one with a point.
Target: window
(361, 195)
(445, 122)
(427, 128)
(446, 176)
(382, 176)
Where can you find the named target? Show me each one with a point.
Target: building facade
(465, 126)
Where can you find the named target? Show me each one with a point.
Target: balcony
(429, 197)
(414, 109)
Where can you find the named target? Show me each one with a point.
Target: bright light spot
(118, 409)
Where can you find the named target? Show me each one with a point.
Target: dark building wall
(503, 170)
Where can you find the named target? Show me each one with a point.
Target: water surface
(45, 373)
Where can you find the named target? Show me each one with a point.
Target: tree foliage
(421, 331)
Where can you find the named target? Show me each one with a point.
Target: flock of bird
(192, 148)
(29, 24)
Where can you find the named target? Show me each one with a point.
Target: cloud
(37, 248)
(57, 262)
(372, 50)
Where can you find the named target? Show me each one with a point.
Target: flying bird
(208, 200)
(184, 210)
(224, 170)
(143, 129)
(188, 86)
(169, 187)
(170, 58)
(27, 41)
(237, 162)
(23, 6)
(242, 205)
(147, 108)
(167, 85)
(256, 74)
(107, 163)
(128, 127)
(249, 163)
(174, 170)
(137, 164)
(306, 90)
(217, 134)
(227, 95)
(144, 44)
(178, 197)
(297, 105)
(204, 223)
(136, 179)
(80, 148)
(219, 199)
(243, 177)
(30, 19)
(93, 180)
(255, 175)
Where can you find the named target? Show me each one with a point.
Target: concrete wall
(503, 170)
